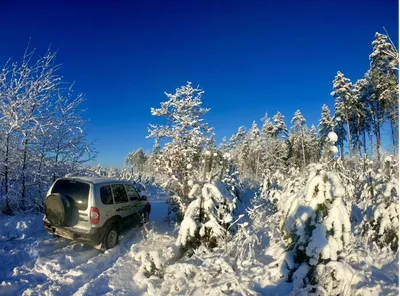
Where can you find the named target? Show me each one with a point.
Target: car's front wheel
(144, 217)
(110, 238)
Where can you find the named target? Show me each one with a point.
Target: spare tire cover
(56, 207)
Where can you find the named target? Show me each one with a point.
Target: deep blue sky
(250, 57)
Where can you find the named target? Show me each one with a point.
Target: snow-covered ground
(146, 262)
(32, 262)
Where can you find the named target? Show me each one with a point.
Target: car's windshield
(77, 192)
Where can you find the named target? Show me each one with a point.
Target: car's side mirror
(144, 197)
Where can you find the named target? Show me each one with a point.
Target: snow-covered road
(34, 263)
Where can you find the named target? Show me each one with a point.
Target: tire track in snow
(103, 284)
(121, 278)
(43, 265)
(67, 281)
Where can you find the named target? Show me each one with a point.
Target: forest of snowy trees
(323, 189)
(42, 131)
(316, 191)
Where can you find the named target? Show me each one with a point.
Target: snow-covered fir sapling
(150, 263)
(230, 177)
(367, 191)
(294, 181)
(208, 217)
(272, 189)
(316, 225)
(381, 222)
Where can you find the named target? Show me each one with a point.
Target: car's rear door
(107, 208)
(122, 205)
(78, 196)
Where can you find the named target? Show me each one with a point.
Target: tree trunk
(55, 168)
(24, 165)
(392, 127)
(378, 141)
(349, 139)
(302, 148)
(365, 144)
(377, 130)
(358, 147)
(7, 210)
(42, 157)
(371, 187)
(39, 182)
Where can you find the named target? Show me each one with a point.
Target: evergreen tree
(362, 112)
(186, 134)
(317, 227)
(268, 128)
(152, 161)
(281, 129)
(342, 92)
(240, 135)
(384, 62)
(325, 125)
(298, 136)
(256, 149)
(313, 145)
(339, 129)
(137, 159)
(275, 153)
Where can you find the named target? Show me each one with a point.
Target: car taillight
(94, 215)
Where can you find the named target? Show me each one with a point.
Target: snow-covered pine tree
(224, 146)
(268, 128)
(209, 217)
(243, 156)
(257, 148)
(316, 226)
(381, 195)
(313, 147)
(281, 130)
(136, 159)
(363, 92)
(298, 139)
(151, 166)
(271, 190)
(343, 95)
(186, 133)
(275, 136)
(325, 125)
(339, 129)
(235, 145)
(238, 139)
(384, 63)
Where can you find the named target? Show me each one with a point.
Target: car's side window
(119, 193)
(106, 195)
(132, 192)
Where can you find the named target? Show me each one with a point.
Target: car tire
(110, 238)
(144, 218)
(57, 209)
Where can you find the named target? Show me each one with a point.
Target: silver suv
(93, 210)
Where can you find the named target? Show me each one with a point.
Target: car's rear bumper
(94, 236)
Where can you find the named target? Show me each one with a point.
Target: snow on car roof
(95, 180)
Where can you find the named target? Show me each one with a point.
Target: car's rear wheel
(110, 238)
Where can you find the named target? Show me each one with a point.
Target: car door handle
(118, 209)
